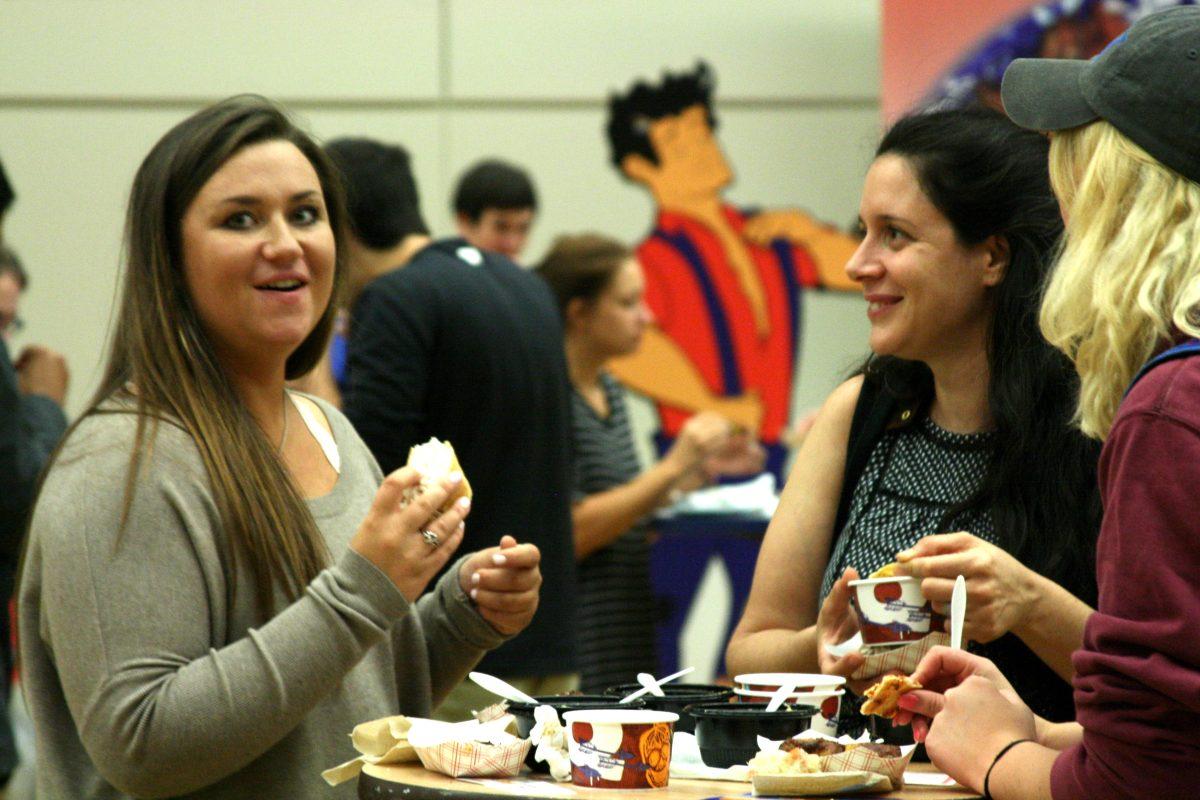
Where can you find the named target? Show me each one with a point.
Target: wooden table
(414, 782)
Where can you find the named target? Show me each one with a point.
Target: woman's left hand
(965, 714)
(976, 721)
(1000, 590)
(503, 582)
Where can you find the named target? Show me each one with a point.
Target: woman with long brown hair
(218, 582)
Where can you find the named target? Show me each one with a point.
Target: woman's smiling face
(258, 252)
(926, 292)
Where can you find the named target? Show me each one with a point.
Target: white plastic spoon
(958, 612)
(651, 684)
(501, 688)
(781, 694)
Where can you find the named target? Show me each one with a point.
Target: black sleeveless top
(898, 483)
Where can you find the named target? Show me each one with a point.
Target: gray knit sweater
(145, 678)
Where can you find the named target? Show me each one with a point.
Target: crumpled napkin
(461, 748)
(756, 496)
(471, 748)
(900, 659)
(380, 741)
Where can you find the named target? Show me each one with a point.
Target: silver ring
(431, 538)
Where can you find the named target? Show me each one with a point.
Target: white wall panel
(417, 130)
(760, 48)
(345, 50)
(72, 169)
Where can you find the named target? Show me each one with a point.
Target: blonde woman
(218, 582)
(1124, 304)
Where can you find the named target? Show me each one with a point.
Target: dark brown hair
(581, 266)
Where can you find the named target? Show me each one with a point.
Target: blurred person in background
(385, 230)
(33, 390)
(599, 288)
(494, 207)
(466, 345)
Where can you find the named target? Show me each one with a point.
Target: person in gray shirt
(219, 583)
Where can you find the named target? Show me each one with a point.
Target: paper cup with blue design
(893, 610)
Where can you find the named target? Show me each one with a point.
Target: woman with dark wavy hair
(218, 582)
(953, 451)
(1123, 304)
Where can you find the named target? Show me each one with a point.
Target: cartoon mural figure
(725, 284)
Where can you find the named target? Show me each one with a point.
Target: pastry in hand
(435, 460)
(882, 697)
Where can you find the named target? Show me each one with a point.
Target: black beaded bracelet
(987, 794)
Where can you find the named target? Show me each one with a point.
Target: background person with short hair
(494, 207)
(385, 230)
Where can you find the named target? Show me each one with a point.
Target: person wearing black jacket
(465, 345)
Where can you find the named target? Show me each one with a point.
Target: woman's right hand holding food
(411, 543)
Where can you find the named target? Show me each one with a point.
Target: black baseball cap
(1146, 83)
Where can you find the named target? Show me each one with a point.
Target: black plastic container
(677, 697)
(727, 733)
(900, 735)
(562, 703)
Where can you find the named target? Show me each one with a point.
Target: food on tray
(880, 749)
(435, 460)
(816, 747)
(809, 764)
(828, 747)
(785, 762)
(886, 571)
(882, 697)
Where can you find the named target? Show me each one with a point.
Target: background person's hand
(701, 436)
(793, 437)
(390, 536)
(837, 622)
(504, 582)
(43, 371)
(1000, 590)
(741, 454)
(743, 410)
